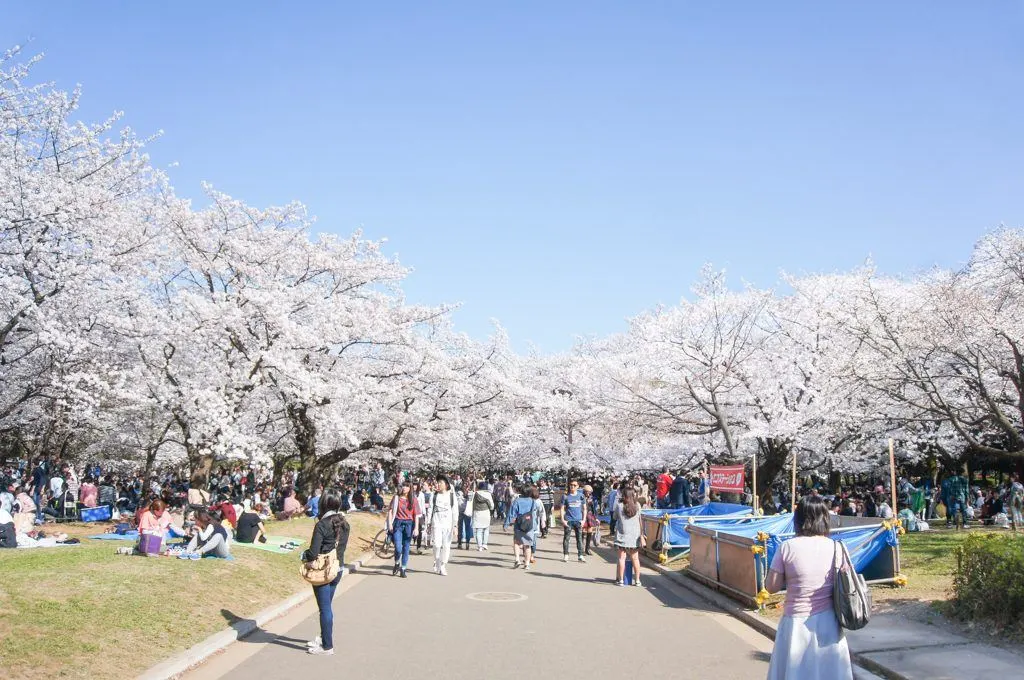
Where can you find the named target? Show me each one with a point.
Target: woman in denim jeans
(330, 533)
(465, 519)
(403, 516)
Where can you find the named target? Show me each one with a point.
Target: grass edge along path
(86, 612)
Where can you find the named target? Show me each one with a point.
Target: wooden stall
(737, 565)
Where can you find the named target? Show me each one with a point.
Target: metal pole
(793, 496)
(754, 483)
(892, 474)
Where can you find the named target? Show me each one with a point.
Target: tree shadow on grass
(248, 631)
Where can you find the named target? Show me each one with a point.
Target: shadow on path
(257, 634)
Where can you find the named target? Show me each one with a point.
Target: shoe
(637, 583)
(565, 557)
(479, 548)
(620, 583)
(443, 572)
(588, 553)
(320, 651)
(485, 548)
(394, 570)
(581, 558)
(527, 568)
(517, 564)
(405, 574)
(434, 568)
(315, 642)
(194, 556)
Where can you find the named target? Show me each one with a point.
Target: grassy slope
(86, 612)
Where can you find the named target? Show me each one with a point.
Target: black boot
(394, 570)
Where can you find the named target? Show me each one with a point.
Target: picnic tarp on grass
(274, 544)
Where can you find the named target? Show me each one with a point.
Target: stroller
(67, 507)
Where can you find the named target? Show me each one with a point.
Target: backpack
(480, 503)
(851, 598)
(524, 521)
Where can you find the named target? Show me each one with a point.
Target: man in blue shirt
(574, 513)
(313, 504)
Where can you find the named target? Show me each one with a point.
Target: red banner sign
(727, 478)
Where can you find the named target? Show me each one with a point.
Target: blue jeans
(465, 529)
(952, 509)
(482, 535)
(324, 596)
(401, 534)
(38, 500)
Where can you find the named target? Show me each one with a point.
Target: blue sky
(564, 166)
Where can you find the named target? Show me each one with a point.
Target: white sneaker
(565, 557)
(485, 548)
(315, 642)
(581, 558)
(527, 567)
(435, 569)
(320, 651)
(479, 548)
(443, 572)
(517, 564)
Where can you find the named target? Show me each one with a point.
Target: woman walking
(809, 642)
(330, 533)
(524, 514)
(481, 505)
(465, 517)
(444, 516)
(403, 516)
(628, 535)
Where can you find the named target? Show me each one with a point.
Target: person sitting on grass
(8, 536)
(210, 538)
(291, 507)
(250, 525)
(907, 518)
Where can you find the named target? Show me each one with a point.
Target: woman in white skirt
(444, 516)
(809, 643)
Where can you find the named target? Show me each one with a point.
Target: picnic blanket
(274, 544)
(129, 536)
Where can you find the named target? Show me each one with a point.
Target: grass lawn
(87, 612)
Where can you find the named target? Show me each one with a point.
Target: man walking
(955, 489)
(574, 514)
(661, 490)
(546, 496)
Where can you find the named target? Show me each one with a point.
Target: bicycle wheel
(382, 545)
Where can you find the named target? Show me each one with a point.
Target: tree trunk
(773, 456)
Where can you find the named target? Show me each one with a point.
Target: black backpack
(524, 522)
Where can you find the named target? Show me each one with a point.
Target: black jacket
(679, 493)
(325, 539)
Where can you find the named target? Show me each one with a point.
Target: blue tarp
(864, 543)
(675, 533)
(709, 510)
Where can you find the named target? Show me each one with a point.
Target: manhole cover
(496, 597)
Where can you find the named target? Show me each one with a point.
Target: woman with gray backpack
(524, 514)
(810, 642)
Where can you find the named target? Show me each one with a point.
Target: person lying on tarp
(210, 538)
(250, 525)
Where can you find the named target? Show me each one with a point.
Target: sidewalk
(892, 645)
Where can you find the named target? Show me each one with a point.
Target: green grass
(87, 612)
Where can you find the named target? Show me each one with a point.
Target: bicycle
(383, 547)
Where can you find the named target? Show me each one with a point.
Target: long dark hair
(811, 517)
(630, 506)
(331, 502)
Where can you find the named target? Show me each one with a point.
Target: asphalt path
(486, 620)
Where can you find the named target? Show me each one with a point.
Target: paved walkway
(573, 623)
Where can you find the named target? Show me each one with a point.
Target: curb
(218, 642)
(751, 618)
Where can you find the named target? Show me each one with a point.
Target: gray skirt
(523, 537)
